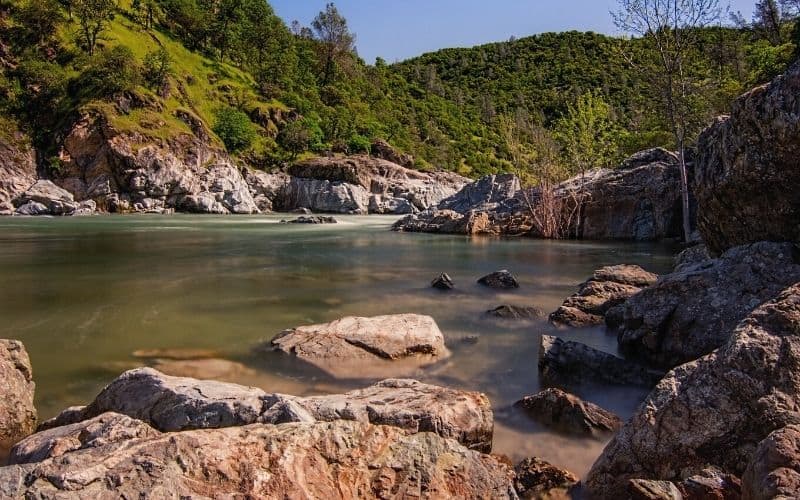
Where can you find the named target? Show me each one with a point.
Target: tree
(336, 41)
(768, 20)
(588, 133)
(157, 66)
(93, 18)
(235, 129)
(670, 31)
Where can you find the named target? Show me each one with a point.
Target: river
(85, 294)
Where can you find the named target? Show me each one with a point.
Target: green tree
(336, 42)
(235, 129)
(588, 133)
(157, 66)
(299, 135)
(93, 18)
(110, 72)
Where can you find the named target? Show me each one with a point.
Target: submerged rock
(17, 413)
(308, 460)
(499, 279)
(364, 347)
(607, 288)
(714, 411)
(567, 361)
(537, 479)
(443, 282)
(567, 412)
(747, 182)
(317, 219)
(693, 311)
(515, 312)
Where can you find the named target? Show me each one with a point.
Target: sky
(400, 29)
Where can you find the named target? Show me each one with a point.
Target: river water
(87, 295)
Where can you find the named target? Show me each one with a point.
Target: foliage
(156, 67)
(110, 72)
(93, 17)
(235, 129)
(588, 133)
(300, 135)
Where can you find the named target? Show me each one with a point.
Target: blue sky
(399, 29)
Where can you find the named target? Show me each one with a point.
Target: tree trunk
(687, 226)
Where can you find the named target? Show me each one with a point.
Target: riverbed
(89, 296)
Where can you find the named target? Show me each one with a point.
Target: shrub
(300, 135)
(157, 67)
(111, 72)
(235, 129)
(358, 144)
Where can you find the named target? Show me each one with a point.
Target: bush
(358, 144)
(235, 129)
(300, 135)
(157, 67)
(111, 72)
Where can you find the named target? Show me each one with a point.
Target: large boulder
(569, 362)
(355, 347)
(567, 412)
(774, 471)
(306, 460)
(17, 165)
(608, 287)
(693, 311)
(17, 413)
(172, 404)
(714, 411)
(747, 182)
(44, 193)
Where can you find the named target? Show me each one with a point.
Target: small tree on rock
(93, 18)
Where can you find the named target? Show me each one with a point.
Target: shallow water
(84, 294)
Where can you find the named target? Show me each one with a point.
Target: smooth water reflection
(84, 294)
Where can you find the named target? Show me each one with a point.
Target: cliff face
(747, 173)
(17, 167)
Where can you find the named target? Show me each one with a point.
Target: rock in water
(566, 361)
(747, 183)
(608, 287)
(336, 460)
(567, 412)
(499, 279)
(17, 413)
(536, 478)
(715, 410)
(515, 312)
(317, 219)
(689, 313)
(443, 282)
(363, 347)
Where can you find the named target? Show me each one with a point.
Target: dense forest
(272, 93)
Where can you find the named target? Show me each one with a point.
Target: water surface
(84, 294)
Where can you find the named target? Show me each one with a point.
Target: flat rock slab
(172, 404)
(515, 312)
(567, 412)
(332, 460)
(17, 413)
(354, 347)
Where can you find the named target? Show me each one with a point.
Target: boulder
(366, 347)
(443, 282)
(32, 208)
(709, 484)
(302, 460)
(317, 219)
(747, 183)
(714, 411)
(608, 287)
(566, 361)
(382, 149)
(774, 470)
(693, 311)
(567, 412)
(172, 404)
(500, 280)
(515, 312)
(17, 413)
(536, 478)
(58, 201)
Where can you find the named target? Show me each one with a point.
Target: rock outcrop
(17, 413)
(297, 460)
(382, 149)
(714, 411)
(537, 479)
(566, 361)
(45, 198)
(567, 412)
(693, 311)
(608, 287)
(640, 200)
(774, 471)
(355, 347)
(747, 182)
(17, 167)
(172, 404)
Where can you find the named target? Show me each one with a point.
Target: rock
(714, 411)
(563, 361)
(774, 470)
(326, 196)
(515, 312)
(710, 484)
(32, 208)
(567, 412)
(689, 313)
(382, 149)
(364, 347)
(443, 282)
(386, 204)
(171, 404)
(93, 433)
(317, 219)
(690, 257)
(17, 413)
(536, 478)
(307, 460)
(44, 193)
(746, 180)
(499, 279)
(642, 489)
(17, 165)
(303, 211)
(86, 207)
(608, 287)
(268, 190)
(202, 203)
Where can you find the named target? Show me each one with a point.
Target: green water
(84, 294)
